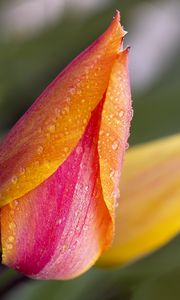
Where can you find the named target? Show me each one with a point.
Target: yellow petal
(149, 212)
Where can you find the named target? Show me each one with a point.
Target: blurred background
(37, 39)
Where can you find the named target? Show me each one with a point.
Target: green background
(27, 64)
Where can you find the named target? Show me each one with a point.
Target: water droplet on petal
(59, 221)
(14, 179)
(116, 204)
(101, 132)
(115, 145)
(84, 121)
(86, 188)
(116, 193)
(22, 171)
(78, 228)
(121, 113)
(64, 248)
(12, 225)
(85, 227)
(16, 202)
(40, 149)
(78, 149)
(51, 128)
(126, 146)
(11, 238)
(66, 149)
(9, 246)
(112, 173)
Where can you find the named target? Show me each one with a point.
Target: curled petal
(48, 132)
(149, 212)
(114, 130)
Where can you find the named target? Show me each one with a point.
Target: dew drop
(57, 112)
(16, 202)
(116, 194)
(121, 113)
(40, 149)
(78, 228)
(78, 149)
(64, 248)
(116, 204)
(12, 225)
(86, 188)
(59, 221)
(85, 227)
(126, 146)
(14, 179)
(11, 238)
(9, 246)
(22, 171)
(85, 121)
(112, 173)
(72, 90)
(115, 145)
(51, 128)
(101, 132)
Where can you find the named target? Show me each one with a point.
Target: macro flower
(61, 163)
(148, 214)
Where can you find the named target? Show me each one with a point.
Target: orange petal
(48, 132)
(114, 130)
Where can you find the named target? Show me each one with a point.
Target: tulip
(148, 215)
(60, 165)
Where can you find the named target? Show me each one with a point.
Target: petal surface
(149, 212)
(59, 229)
(114, 130)
(48, 132)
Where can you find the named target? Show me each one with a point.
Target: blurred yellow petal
(149, 212)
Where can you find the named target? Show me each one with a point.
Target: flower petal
(58, 230)
(114, 130)
(149, 212)
(43, 138)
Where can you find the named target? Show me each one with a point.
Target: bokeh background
(37, 39)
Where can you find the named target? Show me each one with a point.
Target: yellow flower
(148, 215)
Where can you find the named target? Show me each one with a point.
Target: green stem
(12, 282)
